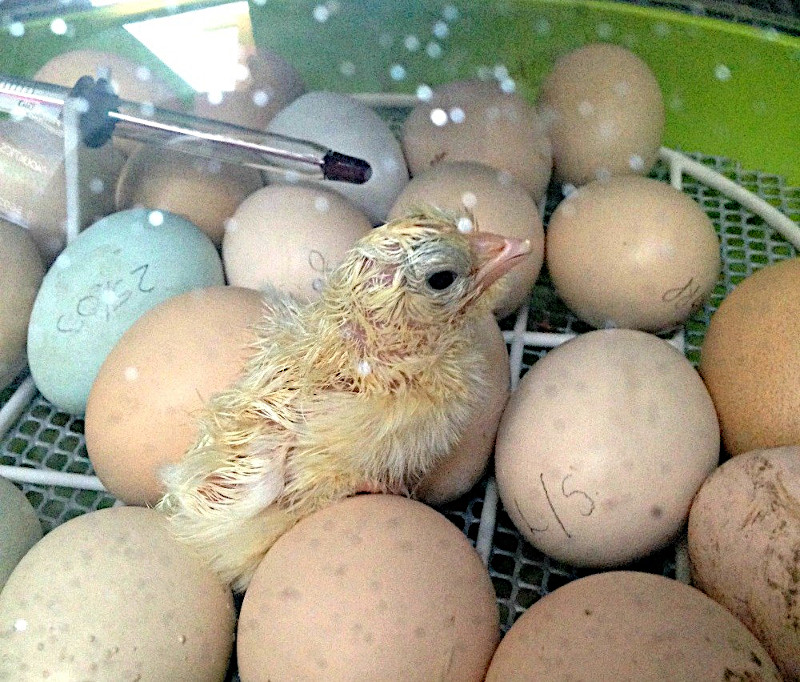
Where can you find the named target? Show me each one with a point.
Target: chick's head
(429, 268)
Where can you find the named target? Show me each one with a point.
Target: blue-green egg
(101, 283)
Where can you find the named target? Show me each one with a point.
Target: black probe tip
(336, 166)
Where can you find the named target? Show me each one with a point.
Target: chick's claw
(306, 425)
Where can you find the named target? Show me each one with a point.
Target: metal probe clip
(103, 114)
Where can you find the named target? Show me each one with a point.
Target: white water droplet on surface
(586, 108)
(636, 162)
(450, 12)
(96, 186)
(568, 189)
(322, 204)
(411, 43)
(469, 200)
(58, 26)
(20, 625)
(260, 98)
(155, 218)
(508, 85)
(604, 30)
(131, 374)
(424, 93)
(465, 225)
(441, 30)
(397, 72)
(364, 368)
(722, 72)
(16, 29)
(457, 115)
(433, 50)
(321, 13)
(231, 225)
(143, 73)
(438, 117)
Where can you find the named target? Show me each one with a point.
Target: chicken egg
(627, 625)
(268, 84)
(498, 203)
(20, 529)
(21, 274)
(744, 547)
(142, 407)
(602, 447)
(33, 190)
(462, 468)
(632, 252)
(474, 120)
(109, 596)
(290, 237)
(389, 590)
(203, 191)
(346, 125)
(750, 360)
(100, 285)
(604, 113)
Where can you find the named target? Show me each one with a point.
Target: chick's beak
(496, 256)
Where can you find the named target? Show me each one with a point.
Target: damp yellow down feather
(362, 390)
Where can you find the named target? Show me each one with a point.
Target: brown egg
(750, 360)
(605, 114)
(290, 237)
(21, 274)
(111, 596)
(602, 447)
(499, 204)
(129, 79)
(625, 625)
(375, 587)
(744, 546)
(474, 120)
(459, 471)
(142, 405)
(204, 191)
(270, 84)
(33, 189)
(632, 252)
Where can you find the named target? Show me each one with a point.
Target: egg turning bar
(100, 113)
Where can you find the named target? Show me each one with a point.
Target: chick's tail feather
(221, 505)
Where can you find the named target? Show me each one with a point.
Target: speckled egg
(143, 406)
(375, 587)
(483, 121)
(626, 625)
(462, 468)
(21, 273)
(744, 547)
(604, 113)
(602, 447)
(204, 191)
(290, 237)
(632, 252)
(20, 528)
(112, 596)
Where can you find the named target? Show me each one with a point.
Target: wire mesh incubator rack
(753, 201)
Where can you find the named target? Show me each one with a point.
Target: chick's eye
(441, 280)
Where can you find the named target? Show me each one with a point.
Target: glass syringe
(103, 113)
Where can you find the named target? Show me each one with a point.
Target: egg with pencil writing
(100, 285)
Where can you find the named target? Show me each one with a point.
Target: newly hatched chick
(362, 390)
